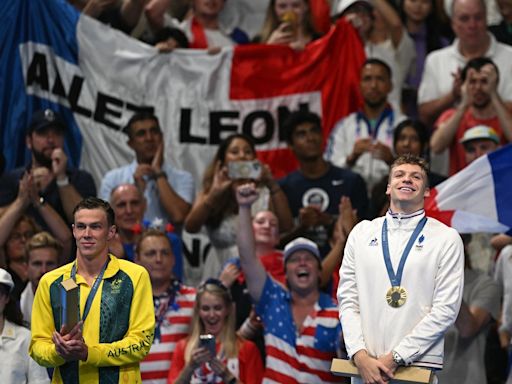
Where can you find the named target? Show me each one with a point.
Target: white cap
(6, 279)
(341, 6)
(298, 244)
(482, 132)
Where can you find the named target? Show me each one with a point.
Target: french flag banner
(97, 78)
(478, 198)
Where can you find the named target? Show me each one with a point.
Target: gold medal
(396, 296)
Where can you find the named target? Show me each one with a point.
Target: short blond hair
(411, 159)
(42, 240)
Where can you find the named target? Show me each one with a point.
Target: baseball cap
(480, 132)
(6, 279)
(341, 6)
(299, 244)
(45, 118)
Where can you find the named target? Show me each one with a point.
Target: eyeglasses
(17, 236)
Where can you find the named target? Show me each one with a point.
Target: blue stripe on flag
(501, 165)
(48, 22)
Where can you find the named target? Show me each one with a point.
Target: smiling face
(213, 312)
(407, 188)
(302, 271)
(266, 229)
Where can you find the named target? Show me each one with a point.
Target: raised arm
(254, 272)
(207, 199)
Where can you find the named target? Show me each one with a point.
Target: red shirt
(249, 364)
(457, 158)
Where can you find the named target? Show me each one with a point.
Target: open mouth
(302, 274)
(406, 189)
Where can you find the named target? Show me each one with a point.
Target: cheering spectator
(216, 206)
(228, 359)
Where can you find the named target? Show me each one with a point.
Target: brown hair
(411, 159)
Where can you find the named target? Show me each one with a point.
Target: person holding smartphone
(213, 352)
(216, 208)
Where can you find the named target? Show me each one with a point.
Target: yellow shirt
(118, 329)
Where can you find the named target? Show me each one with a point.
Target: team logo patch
(419, 245)
(374, 242)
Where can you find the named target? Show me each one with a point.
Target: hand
(27, 191)
(388, 361)
(199, 356)
(158, 159)
(221, 181)
(229, 274)
(59, 162)
(41, 177)
(246, 194)
(142, 172)
(491, 75)
(266, 176)
(283, 34)
(457, 84)
(383, 152)
(360, 146)
(504, 339)
(372, 371)
(221, 370)
(347, 219)
(310, 216)
(71, 346)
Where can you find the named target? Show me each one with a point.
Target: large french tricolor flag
(479, 197)
(97, 78)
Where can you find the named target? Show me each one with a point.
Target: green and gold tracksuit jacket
(118, 329)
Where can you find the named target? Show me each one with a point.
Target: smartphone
(208, 342)
(244, 170)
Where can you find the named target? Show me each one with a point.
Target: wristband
(160, 174)
(63, 182)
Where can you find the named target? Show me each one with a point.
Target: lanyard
(388, 114)
(396, 279)
(162, 304)
(94, 288)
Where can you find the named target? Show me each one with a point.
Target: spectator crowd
(282, 284)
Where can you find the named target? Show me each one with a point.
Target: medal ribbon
(94, 288)
(396, 279)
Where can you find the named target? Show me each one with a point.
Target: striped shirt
(173, 327)
(294, 357)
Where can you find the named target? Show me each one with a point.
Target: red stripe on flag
(154, 375)
(329, 65)
(432, 210)
(284, 158)
(158, 356)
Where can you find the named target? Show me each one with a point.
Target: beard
(481, 104)
(374, 104)
(42, 159)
